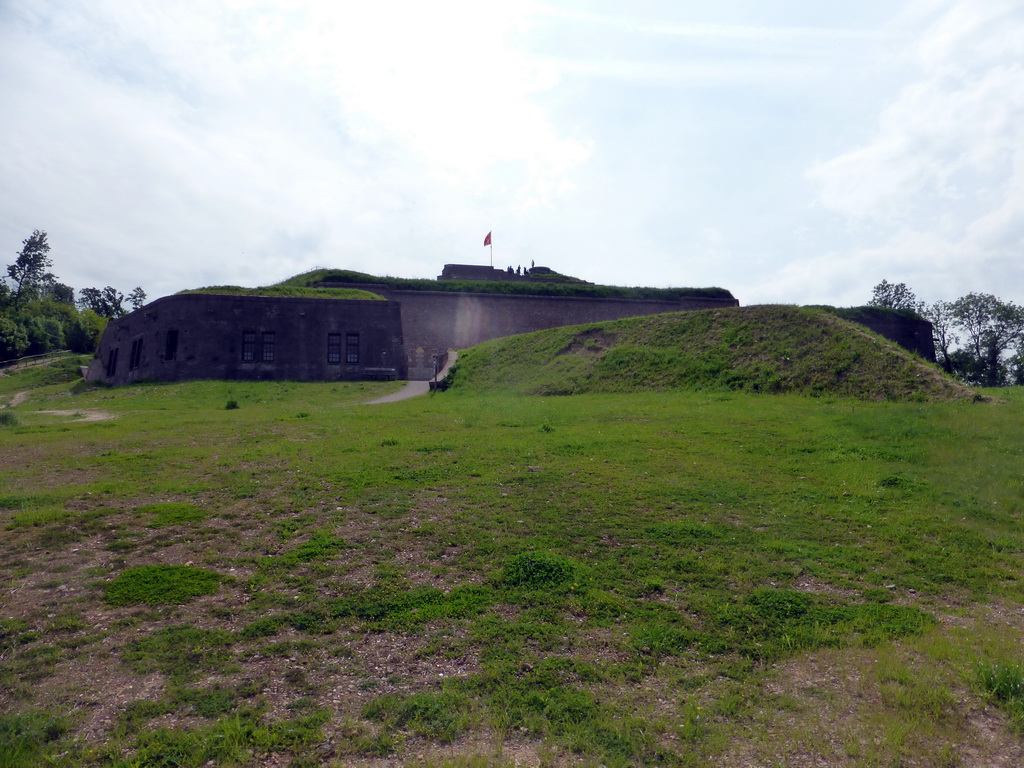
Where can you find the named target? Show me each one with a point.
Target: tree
(59, 292)
(137, 297)
(108, 302)
(84, 334)
(28, 272)
(894, 296)
(1016, 367)
(940, 314)
(992, 327)
(13, 339)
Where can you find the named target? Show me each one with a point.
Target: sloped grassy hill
(290, 291)
(759, 349)
(575, 286)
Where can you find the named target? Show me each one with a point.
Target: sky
(791, 151)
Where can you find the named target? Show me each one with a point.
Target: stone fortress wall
(196, 336)
(208, 336)
(433, 320)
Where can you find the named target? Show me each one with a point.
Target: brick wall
(204, 336)
(435, 319)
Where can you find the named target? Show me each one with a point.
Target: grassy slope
(757, 349)
(291, 291)
(674, 578)
(520, 288)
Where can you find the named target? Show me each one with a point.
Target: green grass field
(671, 578)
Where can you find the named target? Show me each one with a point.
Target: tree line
(40, 314)
(979, 338)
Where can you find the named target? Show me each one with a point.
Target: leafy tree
(84, 334)
(13, 339)
(894, 296)
(45, 334)
(137, 297)
(1016, 367)
(991, 327)
(39, 314)
(59, 292)
(940, 314)
(108, 302)
(29, 271)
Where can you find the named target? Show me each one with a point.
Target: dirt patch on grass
(18, 399)
(86, 414)
(912, 704)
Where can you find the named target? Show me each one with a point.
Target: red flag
(487, 240)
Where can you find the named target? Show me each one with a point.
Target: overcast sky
(792, 151)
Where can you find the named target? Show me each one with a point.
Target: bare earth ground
(825, 708)
(88, 414)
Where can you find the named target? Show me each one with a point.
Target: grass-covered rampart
(762, 349)
(658, 578)
(290, 291)
(539, 288)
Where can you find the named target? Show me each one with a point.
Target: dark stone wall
(405, 333)
(914, 334)
(200, 336)
(438, 320)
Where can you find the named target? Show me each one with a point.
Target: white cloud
(240, 141)
(327, 133)
(944, 173)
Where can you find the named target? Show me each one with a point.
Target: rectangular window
(249, 347)
(171, 348)
(268, 347)
(333, 348)
(136, 356)
(112, 362)
(352, 348)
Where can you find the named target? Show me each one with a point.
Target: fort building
(219, 336)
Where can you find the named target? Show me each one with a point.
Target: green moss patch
(161, 585)
(172, 513)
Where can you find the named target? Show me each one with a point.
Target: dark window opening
(136, 356)
(352, 348)
(333, 347)
(249, 347)
(171, 348)
(112, 362)
(268, 347)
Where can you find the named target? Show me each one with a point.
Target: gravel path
(415, 388)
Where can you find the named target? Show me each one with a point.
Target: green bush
(8, 419)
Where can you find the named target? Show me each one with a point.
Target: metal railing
(22, 362)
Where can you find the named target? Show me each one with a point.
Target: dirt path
(415, 388)
(18, 399)
(87, 414)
